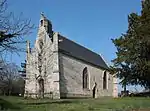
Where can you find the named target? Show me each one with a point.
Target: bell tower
(44, 31)
(44, 22)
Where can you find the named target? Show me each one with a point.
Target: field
(101, 104)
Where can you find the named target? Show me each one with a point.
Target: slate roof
(75, 50)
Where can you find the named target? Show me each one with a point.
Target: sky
(91, 23)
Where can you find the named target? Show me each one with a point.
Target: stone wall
(71, 71)
(31, 71)
(115, 86)
(50, 66)
(55, 68)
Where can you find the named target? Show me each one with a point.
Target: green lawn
(102, 104)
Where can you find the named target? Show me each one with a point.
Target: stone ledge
(50, 95)
(73, 95)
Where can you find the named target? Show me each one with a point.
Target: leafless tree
(12, 29)
(9, 77)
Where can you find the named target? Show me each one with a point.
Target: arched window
(41, 44)
(85, 78)
(105, 80)
(41, 22)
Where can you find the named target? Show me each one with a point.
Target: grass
(101, 104)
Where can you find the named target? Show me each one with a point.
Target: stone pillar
(115, 87)
(27, 50)
(56, 91)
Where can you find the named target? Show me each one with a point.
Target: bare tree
(12, 29)
(2, 78)
(9, 76)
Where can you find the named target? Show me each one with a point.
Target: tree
(133, 49)
(12, 29)
(11, 82)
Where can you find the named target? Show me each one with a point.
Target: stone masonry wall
(31, 71)
(50, 67)
(71, 71)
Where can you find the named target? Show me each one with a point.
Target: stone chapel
(60, 68)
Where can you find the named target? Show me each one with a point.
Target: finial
(28, 46)
(42, 15)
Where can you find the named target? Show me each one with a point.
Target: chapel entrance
(94, 90)
(41, 87)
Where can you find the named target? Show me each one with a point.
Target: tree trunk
(125, 88)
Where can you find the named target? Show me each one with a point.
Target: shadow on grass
(148, 109)
(7, 105)
(51, 102)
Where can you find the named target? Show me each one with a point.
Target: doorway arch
(41, 87)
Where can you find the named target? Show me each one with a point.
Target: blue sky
(91, 23)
